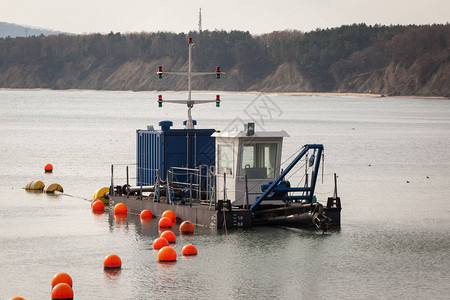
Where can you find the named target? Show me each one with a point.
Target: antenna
(189, 102)
(200, 20)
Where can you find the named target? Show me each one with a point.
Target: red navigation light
(160, 72)
(217, 72)
(160, 101)
(217, 100)
(190, 40)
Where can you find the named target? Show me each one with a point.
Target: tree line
(325, 57)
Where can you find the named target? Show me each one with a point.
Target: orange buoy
(161, 230)
(159, 243)
(169, 236)
(98, 205)
(61, 277)
(189, 249)
(48, 168)
(120, 208)
(167, 254)
(62, 291)
(187, 227)
(165, 222)
(112, 261)
(170, 214)
(93, 201)
(146, 214)
(17, 298)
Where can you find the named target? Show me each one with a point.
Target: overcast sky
(256, 16)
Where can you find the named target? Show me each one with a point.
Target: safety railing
(194, 185)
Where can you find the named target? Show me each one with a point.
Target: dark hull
(209, 216)
(203, 215)
(298, 215)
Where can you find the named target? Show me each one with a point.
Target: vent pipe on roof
(165, 125)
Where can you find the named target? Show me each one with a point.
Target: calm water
(395, 235)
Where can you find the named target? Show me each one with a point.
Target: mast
(200, 21)
(190, 123)
(189, 102)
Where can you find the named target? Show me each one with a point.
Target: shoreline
(312, 94)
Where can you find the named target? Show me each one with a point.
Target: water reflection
(146, 221)
(112, 277)
(166, 273)
(117, 221)
(99, 217)
(146, 227)
(187, 234)
(34, 191)
(54, 196)
(120, 220)
(391, 244)
(168, 263)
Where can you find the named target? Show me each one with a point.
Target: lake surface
(392, 156)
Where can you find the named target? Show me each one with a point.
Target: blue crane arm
(266, 194)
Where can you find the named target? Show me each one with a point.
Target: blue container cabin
(160, 150)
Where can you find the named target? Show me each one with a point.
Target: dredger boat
(228, 179)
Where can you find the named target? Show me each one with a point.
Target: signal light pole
(189, 102)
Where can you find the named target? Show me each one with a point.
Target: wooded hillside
(397, 60)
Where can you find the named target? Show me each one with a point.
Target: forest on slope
(391, 60)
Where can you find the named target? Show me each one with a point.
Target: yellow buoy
(53, 187)
(35, 185)
(27, 186)
(100, 193)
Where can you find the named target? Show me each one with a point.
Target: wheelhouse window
(259, 160)
(225, 161)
